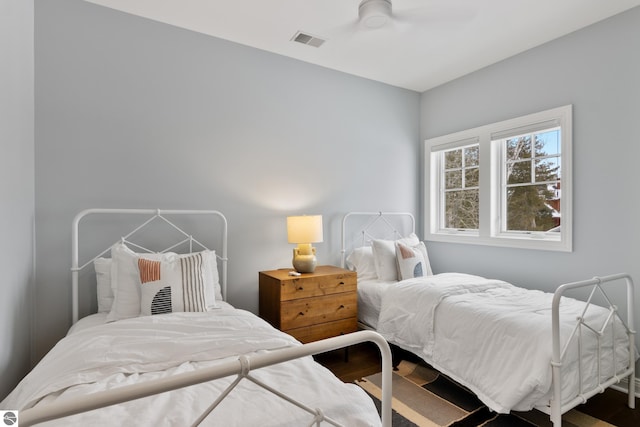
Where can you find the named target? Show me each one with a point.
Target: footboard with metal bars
(241, 367)
(360, 228)
(597, 286)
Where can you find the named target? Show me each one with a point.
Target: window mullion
(486, 183)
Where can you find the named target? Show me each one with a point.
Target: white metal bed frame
(241, 367)
(365, 234)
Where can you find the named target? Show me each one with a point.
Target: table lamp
(304, 230)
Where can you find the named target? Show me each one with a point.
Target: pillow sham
(410, 262)
(172, 284)
(384, 254)
(125, 280)
(361, 261)
(214, 289)
(104, 292)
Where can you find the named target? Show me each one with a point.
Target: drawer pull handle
(300, 288)
(341, 283)
(301, 314)
(341, 306)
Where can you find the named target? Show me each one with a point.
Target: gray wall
(16, 189)
(597, 70)
(134, 113)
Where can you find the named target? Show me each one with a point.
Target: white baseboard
(623, 386)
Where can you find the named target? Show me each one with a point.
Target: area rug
(423, 397)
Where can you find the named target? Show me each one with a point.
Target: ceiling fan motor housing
(374, 13)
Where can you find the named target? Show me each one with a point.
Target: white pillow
(125, 280)
(423, 248)
(361, 261)
(106, 288)
(103, 284)
(214, 289)
(410, 261)
(384, 254)
(172, 284)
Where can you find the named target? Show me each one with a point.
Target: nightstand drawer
(324, 330)
(311, 311)
(305, 287)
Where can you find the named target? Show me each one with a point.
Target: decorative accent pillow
(410, 261)
(361, 260)
(175, 283)
(427, 264)
(125, 280)
(384, 254)
(103, 284)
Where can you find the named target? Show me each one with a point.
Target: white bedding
(96, 357)
(101, 318)
(369, 300)
(491, 336)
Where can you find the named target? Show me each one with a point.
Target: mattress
(97, 356)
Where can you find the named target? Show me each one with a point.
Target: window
(503, 184)
(460, 176)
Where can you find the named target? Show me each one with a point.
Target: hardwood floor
(364, 359)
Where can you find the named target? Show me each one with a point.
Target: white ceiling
(428, 43)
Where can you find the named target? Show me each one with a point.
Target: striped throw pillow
(174, 284)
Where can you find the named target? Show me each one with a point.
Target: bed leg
(396, 356)
(555, 413)
(632, 376)
(556, 403)
(632, 392)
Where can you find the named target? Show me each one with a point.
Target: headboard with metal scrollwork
(159, 231)
(360, 228)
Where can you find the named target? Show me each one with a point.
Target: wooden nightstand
(312, 306)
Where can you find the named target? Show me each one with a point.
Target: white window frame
(491, 183)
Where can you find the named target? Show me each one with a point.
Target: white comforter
(491, 336)
(135, 350)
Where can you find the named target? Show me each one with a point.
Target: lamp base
(304, 263)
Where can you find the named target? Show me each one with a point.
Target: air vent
(308, 39)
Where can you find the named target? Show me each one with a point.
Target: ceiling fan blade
(348, 29)
(435, 15)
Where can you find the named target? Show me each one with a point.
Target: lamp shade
(304, 229)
